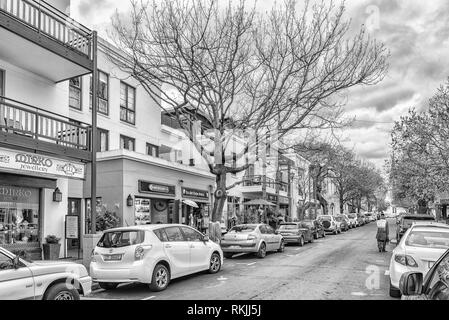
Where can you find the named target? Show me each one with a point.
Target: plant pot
(51, 251)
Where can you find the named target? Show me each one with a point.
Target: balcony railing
(49, 21)
(257, 180)
(30, 122)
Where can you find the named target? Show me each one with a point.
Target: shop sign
(194, 193)
(16, 194)
(272, 197)
(151, 187)
(30, 162)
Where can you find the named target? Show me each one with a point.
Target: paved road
(346, 266)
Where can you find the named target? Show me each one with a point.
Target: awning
(190, 203)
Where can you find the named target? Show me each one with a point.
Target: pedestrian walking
(382, 235)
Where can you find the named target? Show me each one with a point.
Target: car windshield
(326, 218)
(288, 227)
(242, 229)
(119, 239)
(429, 218)
(428, 239)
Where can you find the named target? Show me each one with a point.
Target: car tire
(60, 291)
(215, 263)
(160, 278)
(394, 292)
(301, 242)
(324, 234)
(335, 231)
(262, 251)
(282, 246)
(311, 240)
(108, 285)
(228, 255)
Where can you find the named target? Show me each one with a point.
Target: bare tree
(232, 68)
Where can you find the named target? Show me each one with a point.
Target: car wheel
(215, 263)
(282, 246)
(311, 240)
(108, 285)
(160, 278)
(60, 291)
(394, 292)
(262, 251)
(316, 235)
(228, 255)
(301, 242)
(335, 231)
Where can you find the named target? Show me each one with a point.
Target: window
(192, 235)
(127, 103)
(127, 143)
(102, 140)
(174, 234)
(5, 262)
(152, 150)
(120, 239)
(2, 83)
(103, 93)
(162, 236)
(75, 93)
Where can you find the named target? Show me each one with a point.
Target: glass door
(74, 245)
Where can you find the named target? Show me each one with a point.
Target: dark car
(407, 220)
(316, 228)
(435, 286)
(344, 222)
(295, 232)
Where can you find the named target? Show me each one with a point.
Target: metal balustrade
(49, 21)
(34, 123)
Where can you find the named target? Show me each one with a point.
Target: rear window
(119, 239)
(288, 227)
(242, 229)
(429, 218)
(429, 239)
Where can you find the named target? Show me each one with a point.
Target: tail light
(140, 252)
(252, 237)
(405, 260)
(92, 255)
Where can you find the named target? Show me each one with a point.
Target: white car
(152, 254)
(330, 224)
(43, 280)
(422, 245)
(353, 220)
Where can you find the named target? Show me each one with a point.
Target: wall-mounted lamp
(57, 195)
(129, 201)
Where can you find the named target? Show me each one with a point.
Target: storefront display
(19, 217)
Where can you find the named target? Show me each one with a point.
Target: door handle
(29, 286)
(168, 245)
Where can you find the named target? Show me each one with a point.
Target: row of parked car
(155, 254)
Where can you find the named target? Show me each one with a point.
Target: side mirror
(411, 284)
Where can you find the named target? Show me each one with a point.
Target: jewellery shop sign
(35, 163)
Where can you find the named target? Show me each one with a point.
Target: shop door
(74, 209)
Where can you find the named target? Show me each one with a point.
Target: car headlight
(405, 260)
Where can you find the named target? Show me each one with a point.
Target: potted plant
(51, 248)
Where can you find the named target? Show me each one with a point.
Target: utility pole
(93, 176)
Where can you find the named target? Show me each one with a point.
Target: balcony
(25, 126)
(43, 40)
(255, 183)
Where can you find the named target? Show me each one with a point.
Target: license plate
(112, 257)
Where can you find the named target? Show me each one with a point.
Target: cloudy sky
(417, 34)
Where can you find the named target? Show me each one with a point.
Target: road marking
(215, 286)
(252, 263)
(149, 298)
(222, 279)
(387, 272)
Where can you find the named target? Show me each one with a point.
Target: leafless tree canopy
(282, 71)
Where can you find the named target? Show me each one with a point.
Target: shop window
(75, 93)
(19, 217)
(102, 140)
(103, 93)
(127, 103)
(152, 150)
(174, 234)
(127, 143)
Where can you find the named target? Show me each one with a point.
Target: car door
(178, 251)
(16, 283)
(199, 250)
(274, 238)
(437, 286)
(265, 236)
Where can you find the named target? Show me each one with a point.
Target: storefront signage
(151, 187)
(71, 227)
(30, 162)
(194, 193)
(272, 198)
(16, 194)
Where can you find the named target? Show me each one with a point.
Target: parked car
(368, 217)
(434, 286)
(353, 220)
(330, 224)
(360, 219)
(407, 220)
(41, 280)
(344, 223)
(252, 238)
(320, 233)
(152, 254)
(297, 232)
(348, 221)
(421, 246)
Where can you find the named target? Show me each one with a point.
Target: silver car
(251, 238)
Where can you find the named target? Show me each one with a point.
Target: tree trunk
(342, 205)
(422, 207)
(217, 212)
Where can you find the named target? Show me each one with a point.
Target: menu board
(71, 227)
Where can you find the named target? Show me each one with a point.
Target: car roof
(413, 215)
(145, 227)
(429, 225)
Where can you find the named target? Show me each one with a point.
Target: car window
(429, 239)
(119, 239)
(174, 234)
(192, 235)
(5, 262)
(263, 229)
(242, 229)
(162, 236)
(292, 226)
(270, 230)
(439, 285)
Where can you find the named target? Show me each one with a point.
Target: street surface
(346, 266)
